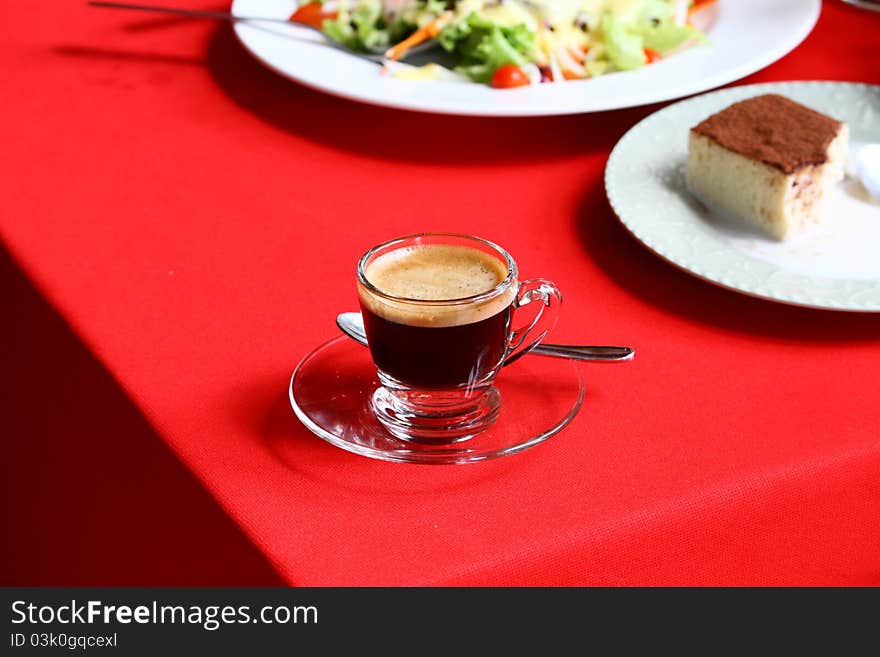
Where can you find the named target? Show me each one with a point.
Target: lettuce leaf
(365, 27)
(362, 29)
(668, 36)
(485, 46)
(624, 47)
(658, 29)
(654, 28)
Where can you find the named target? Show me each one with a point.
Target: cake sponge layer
(777, 202)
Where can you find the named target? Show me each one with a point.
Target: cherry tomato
(312, 14)
(652, 55)
(509, 76)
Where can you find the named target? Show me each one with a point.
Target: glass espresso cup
(439, 311)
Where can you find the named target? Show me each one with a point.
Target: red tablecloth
(196, 220)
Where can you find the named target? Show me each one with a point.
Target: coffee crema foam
(436, 272)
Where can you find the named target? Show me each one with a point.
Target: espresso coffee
(425, 344)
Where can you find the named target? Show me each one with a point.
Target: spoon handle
(580, 352)
(376, 56)
(190, 13)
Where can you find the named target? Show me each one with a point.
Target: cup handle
(522, 340)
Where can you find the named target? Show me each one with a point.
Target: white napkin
(864, 166)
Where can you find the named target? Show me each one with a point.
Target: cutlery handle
(580, 352)
(190, 13)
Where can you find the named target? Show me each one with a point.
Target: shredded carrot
(421, 35)
(577, 54)
(699, 5)
(652, 55)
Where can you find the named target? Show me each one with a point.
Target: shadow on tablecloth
(633, 267)
(94, 496)
(307, 455)
(391, 134)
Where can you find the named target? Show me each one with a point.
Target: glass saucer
(330, 393)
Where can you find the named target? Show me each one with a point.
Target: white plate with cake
(753, 188)
(743, 36)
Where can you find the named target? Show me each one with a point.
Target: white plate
(835, 267)
(746, 36)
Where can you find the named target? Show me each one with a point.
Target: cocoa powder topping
(774, 130)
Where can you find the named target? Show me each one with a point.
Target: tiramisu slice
(769, 160)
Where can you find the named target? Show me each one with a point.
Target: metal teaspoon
(352, 324)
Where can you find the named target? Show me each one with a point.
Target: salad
(510, 43)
